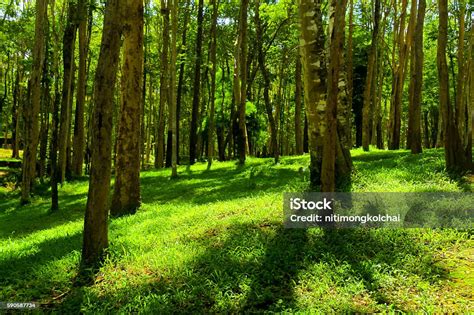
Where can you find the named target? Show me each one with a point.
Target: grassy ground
(213, 241)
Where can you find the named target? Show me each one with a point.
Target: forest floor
(213, 241)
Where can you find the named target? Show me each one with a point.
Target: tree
(95, 221)
(414, 116)
(367, 110)
(336, 32)
(164, 85)
(126, 197)
(69, 42)
(242, 79)
(266, 86)
(213, 52)
(173, 103)
(298, 106)
(196, 87)
(31, 112)
(314, 79)
(403, 41)
(455, 155)
(78, 141)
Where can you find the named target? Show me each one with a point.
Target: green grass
(213, 241)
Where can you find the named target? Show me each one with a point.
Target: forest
(145, 146)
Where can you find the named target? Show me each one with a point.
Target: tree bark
(242, 47)
(78, 141)
(266, 86)
(336, 46)
(367, 113)
(173, 102)
(456, 160)
(314, 78)
(69, 39)
(31, 111)
(164, 85)
(126, 197)
(196, 87)
(95, 222)
(414, 117)
(298, 107)
(213, 60)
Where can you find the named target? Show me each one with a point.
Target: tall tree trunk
(95, 222)
(196, 87)
(350, 68)
(404, 43)
(31, 111)
(454, 152)
(337, 21)
(470, 96)
(182, 67)
(69, 39)
(460, 110)
(164, 85)
(314, 78)
(15, 114)
(367, 113)
(298, 105)
(78, 141)
(173, 102)
(126, 197)
(213, 59)
(242, 46)
(55, 116)
(414, 117)
(266, 86)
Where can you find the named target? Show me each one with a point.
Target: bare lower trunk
(126, 197)
(95, 222)
(78, 141)
(31, 111)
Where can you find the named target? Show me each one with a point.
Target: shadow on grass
(217, 185)
(262, 267)
(18, 221)
(29, 276)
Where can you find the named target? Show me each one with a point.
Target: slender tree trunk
(460, 110)
(404, 43)
(298, 105)
(164, 85)
(454, 152)
(69, 39)
(328, 169)
(95, 222)
(414, 118)
(173, 103)
(15, 114)
(31, 111)
(367, 113)
(266, 86)
(350, 68)
(242, 46)
(126, 197)
(182, 65)
(470, 97)
(213, 52)
(314, 78)
(78, 141)
(196, 87)
(55, 117)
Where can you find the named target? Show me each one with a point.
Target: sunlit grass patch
(212, 241)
